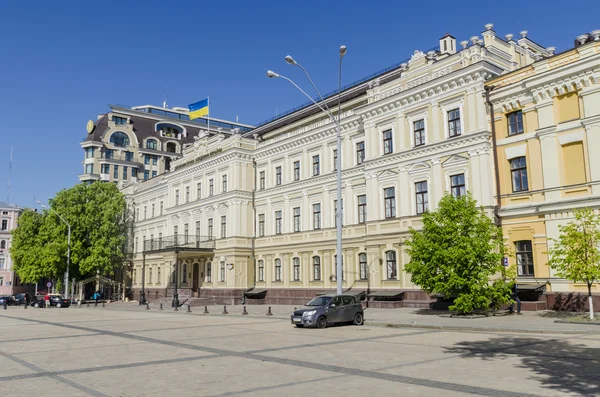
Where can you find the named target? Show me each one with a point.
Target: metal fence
(188, 242)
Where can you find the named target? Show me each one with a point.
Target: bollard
(88, 304)
(295, 308)
(176, 309)
(244, 313)
(189, 310)
(4, 305)
(25, 305)
(269, 312)
(103, 305)
(147, 306)
(225, 310)
(205, 310)
(160, 306)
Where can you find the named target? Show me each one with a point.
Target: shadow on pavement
(559, 365)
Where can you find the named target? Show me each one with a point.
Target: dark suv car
(20, 299)
(55, 300)
(329, 309)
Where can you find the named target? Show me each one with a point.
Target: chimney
(448, 44)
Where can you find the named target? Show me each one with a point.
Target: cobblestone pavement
(104, 352)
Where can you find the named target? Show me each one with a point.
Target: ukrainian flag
(198, 109)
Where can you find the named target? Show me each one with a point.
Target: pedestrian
(47, 300)
(26, 299)
(515, 297)
(96, 296)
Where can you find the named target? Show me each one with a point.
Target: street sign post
(505, 261)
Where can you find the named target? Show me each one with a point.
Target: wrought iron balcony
(180, 242)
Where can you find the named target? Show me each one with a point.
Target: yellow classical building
(546, 131)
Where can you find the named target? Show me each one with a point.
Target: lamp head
(271, 74)
(290, 60)
(342, 51)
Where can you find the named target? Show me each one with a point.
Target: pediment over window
(455, 160)
(419, 168)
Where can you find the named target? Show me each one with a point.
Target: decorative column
(373, 197)
(287, 215)
(592, 132)
(475, 174)
(550, 165)
(438, 130)
(404, 194)
(437, 183)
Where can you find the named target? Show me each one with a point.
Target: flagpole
(208, 115)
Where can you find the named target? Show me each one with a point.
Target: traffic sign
(48, 284)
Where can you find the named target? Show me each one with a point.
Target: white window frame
(381, 129)
(448, 106)
(411, 126)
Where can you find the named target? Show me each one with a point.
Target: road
(107, 352)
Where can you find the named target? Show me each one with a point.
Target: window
(388, 146)
(278, 175)
(89, 168)
(152, 213)
(261, 225)
(209, 272)
(3, 244)
(222, 272)
(419, 131)
(158, 275)
(211, 187)
(362, 266)
(316, 165)
(198, 191)
(277, 269)
(104, 168)
(154, 160)
(316, 216)
(134, 171)
(457, 185)
(147, 159)
(210, 228)
(390, 202)
(335, 159)
(119, 139)
(198, 233)
(362, 208)
(297, 219)
(119, 120)
(177, 197)
(1, 281)
(116, 172)
(89, 152)
(278, 222)
(224, 183)
(151, 144)
(390, 260)
(335, 208)
(149, 275)
(184, 274)
(515, 123)
(454, 123)
(145, 212)
(224, 226)
(146, 175)
(135, 247)
(125, 173)
(518, 170)
(421, 197)
(175, 230)
(296, 170)
(261, 270)
(109, 154)
(296, 269)
(317, 268)
(187, 194)
(2, 263)
(262, 180)
(360, 153)
(128, 156)
(161, 208)
(137, 214)
(524, 258)
(186, 232)
(153, 174)
(144, 246)
(4, 224)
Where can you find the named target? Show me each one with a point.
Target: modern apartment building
(9, 214)
(256, 209)
(547, 128)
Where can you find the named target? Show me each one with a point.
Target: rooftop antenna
(276, 113)
(9, 175)
(165, 99)
(237, 119)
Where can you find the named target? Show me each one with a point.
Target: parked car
(7, 300)
(55, 300)
(20, 298)
(329, 309)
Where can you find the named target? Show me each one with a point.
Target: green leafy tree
(97, 215)
(576, 254)
(459, 254)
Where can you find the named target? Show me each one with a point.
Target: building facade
(9, 214)
(256, 209)
(547, 128)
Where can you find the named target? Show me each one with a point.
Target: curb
(576, 322)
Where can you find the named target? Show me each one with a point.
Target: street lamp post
(325, 109)
(68, 248)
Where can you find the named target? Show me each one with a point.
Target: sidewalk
(529, 322)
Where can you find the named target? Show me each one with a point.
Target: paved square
(128, 352)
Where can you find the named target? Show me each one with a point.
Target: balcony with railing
(180, 242)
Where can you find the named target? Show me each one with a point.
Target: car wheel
(36, 305)
(300, 325)
(322, 322)
(59, 305)
(358, 319)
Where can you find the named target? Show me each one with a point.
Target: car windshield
(319, 301)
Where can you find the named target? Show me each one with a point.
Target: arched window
(184, 279)
(261, 270)
(119, 139)
(277, 269)
(171, 147)
(151, 144)
(149, 275)
(390, 260)
(317, 268)
(3, 244)
(296, 269)
(362, 264)
(158, 275)
(134, 276)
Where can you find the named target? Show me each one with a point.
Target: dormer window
(119, 120)
(151, 144)
(119, 139)
(171, 147)
(169, 130)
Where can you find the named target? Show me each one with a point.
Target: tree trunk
(590, 301)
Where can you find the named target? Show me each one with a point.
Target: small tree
(459, 254)
(576, 254)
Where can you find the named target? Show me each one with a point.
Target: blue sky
(63, 61)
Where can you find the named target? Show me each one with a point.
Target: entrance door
(195, 273)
